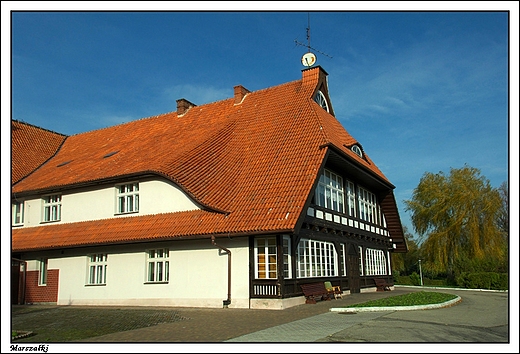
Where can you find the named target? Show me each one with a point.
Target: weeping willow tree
(456, 218)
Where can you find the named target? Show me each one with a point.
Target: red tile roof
(251, 165)
(31, 147)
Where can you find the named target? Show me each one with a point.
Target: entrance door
(353, 269)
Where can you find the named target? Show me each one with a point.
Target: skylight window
(110, 154)
(64, 163)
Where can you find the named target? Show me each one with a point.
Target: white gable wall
(155, 196)
(198, 275)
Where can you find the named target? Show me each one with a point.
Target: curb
(445, 288)
(396, 308)
(22, 334)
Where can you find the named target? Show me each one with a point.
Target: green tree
(407, 263)
(455, 216)
(503, 215)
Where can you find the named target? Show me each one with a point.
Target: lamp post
(420, 272)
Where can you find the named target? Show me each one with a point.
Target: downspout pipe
(226, 302)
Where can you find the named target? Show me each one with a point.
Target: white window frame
(375, 262)
(369, 209)
(343, 260)
(51, 208)
(316, 259)
(97, 269)
(361, 264)
(320, 99)
(388, 258)
(18, 208)
(329, 192)
(357, 150)
(287, 259)
(127, 198)
(158, 265)
(42, 271)
(266, 258)
(351, 198)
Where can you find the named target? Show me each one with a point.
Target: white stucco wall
(198, 275)
(155, 196)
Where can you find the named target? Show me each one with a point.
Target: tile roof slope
(255, 161)
(117, 230)
(31, 147)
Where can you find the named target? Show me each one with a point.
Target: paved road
(481, 317)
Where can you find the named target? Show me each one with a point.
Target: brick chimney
(183, 105)
(240, 92)
(313, 73)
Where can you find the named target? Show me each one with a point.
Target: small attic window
(320, 99)
(110, 154)
(357, 150)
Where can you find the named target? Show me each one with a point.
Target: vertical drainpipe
(228, 300)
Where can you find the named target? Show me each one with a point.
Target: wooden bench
(382, 285)
(314, 291)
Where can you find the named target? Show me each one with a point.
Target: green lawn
(411, 299)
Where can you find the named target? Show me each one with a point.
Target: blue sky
(421, 91)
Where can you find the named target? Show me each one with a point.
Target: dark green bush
(483, 280)
(415, 278)
(402, 280)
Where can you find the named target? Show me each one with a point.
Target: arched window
(321, 100)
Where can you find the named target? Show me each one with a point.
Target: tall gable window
(368, 207)
(128, 198)
(351, 198)
(97, 269)
(329, 193)
(52, 208)
(158, 265)
(17, 213)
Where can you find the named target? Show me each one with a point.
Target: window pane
(151, 271)
(159, 271)
(92, 275)
(121, 204)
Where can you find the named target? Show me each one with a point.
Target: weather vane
(308, 59)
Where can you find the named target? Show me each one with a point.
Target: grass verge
(411, 299)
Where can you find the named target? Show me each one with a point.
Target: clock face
(308, 59)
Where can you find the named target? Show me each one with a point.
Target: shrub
(483, 280)
(402, 280)
(415, 278)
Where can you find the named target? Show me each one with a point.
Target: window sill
(126, 213)
(89, 285)
(49, 221)
(155, 282)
